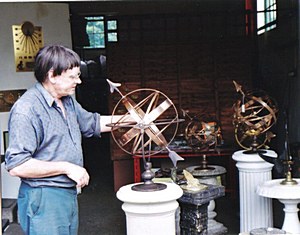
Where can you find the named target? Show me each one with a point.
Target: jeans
(48, 210)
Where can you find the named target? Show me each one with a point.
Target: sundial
(254, 114)
(28, 39)
(202, 132)
(148, 123)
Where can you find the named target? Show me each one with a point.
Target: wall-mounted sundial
(28, 39)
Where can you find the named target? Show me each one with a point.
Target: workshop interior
(212, 145)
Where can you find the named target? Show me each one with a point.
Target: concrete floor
(100, 210)
(101, 213)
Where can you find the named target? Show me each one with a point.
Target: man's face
(67, 82)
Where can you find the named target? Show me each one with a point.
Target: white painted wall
(54, 20)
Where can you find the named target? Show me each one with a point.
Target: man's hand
(78, 174)
(37, 169)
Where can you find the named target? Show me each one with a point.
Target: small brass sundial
(28, 39)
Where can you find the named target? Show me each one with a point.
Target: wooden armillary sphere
(254, 114)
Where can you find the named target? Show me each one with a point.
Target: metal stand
(148, 185)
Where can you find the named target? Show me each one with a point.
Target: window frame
(266, 15)
(106, 32)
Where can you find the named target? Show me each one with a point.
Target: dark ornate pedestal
(193, 209)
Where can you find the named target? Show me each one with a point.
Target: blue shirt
(38, 129)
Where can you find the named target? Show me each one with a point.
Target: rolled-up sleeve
(24, 141)
(89, 122)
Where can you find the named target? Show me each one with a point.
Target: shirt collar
(49, 99)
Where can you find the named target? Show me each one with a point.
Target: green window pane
(99, 40)
(96, 31)
(98, 26)
(112, 25)
(112, 37)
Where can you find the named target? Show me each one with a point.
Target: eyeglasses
(73, 77)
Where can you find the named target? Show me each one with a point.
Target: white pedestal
(255, 211)
(289, 195)
(150, 213)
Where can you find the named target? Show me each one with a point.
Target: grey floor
(101, 213)
(100, 210)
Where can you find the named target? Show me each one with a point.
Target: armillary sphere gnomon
(202, 132)
(148, 123)
(254, 114)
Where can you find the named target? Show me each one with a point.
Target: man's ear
(51, 77)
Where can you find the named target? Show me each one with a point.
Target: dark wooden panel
(195, 68)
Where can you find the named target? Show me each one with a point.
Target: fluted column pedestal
(150, 213)
(255, 211)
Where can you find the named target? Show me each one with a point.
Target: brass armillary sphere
(202, 132)
(148, 123)
(254, 114)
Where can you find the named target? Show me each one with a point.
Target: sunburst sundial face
(28, 39)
